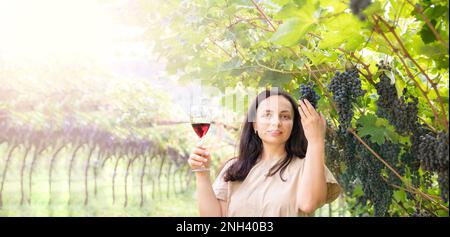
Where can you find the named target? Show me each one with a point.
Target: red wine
(201, 128)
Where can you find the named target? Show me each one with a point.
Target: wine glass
(200, 117)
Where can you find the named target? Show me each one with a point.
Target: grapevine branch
(22, 197)
(428, 125)
(220, 47)
(260, 27)
(426, 196)
(251, 22)
(33, 163)
(411, 76)
(407, 55)
(410, 191)
(86, 191)
(327, 94)
(261, 12)
(239, 51)
(239, 20)
(289, 72)
(419, 9)
(366, 66)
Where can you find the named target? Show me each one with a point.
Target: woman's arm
(208, 204)
(313, 186)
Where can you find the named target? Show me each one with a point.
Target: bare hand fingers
(197, 161)
(198, 158)
(310, 108)
(301, 110)
(195, 164)
(305, 108)
(201, 152)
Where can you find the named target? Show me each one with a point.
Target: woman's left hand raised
(314, 124)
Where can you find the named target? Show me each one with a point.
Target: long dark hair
(251, 147)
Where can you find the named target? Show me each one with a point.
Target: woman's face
(274, 120)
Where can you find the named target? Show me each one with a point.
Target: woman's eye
(285, 117)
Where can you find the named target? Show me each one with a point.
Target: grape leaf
(294, 28)
(275, 79)
(400, 196)
(290, 31)
(288, 11)
(358, 191)
(378, 129)
(426, 33)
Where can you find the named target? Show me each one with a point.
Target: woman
(279, 170)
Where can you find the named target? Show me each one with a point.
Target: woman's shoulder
(226, 164)
(229, 162)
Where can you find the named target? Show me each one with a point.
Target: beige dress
(259, 195)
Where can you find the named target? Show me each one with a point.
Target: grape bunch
(369, 172)
(390, 151)
(443, 183)
(307, 92)
(357, 6)
(332, 152)
(346, 88)
(433, 151)
(400, 112)
(412, 158)
(348, 144)
(442, 152)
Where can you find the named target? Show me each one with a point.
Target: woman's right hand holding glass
(200, 158)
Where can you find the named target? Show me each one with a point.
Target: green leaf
(281, 2)
(242, 3)
(435, 12)
(433, 50)
(230, 11)
(299, 20)
(288, 11)
(343, 29)
(275, 79)
(302, 2)
(426, 33)
(400, 196)
(315, 58)
(299, 63)
(336, 6)
(358, 191)
(399, 85)
(378, 129)
(373, 8)
(290, 32)
(234, 63)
